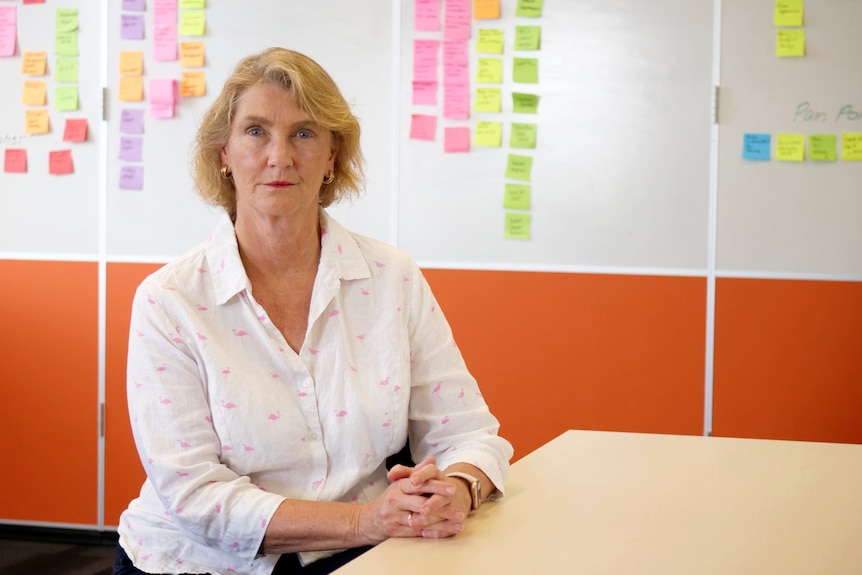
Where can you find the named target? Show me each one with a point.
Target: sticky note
(34, 1)
(456, 100)
(192, 54)
(486, 9)
(490, 41)
(525, 103)
(424, 93)
(66, 20)
(851, 146)
(519, 167)
(525, 70)
(66, 70)
(60, 162)
(528, 37)
(788, 13)
(36, 121)
(66, 43)
(132, 26)
(790, 147)
(131, 121)
(456, 55)
(457, 19)
(756, 146)
(193, 23)
(529, 8)
(131, 89)
(35, 93)
(195, 4)
(193, 84)
(131, 148)
(131, 177)
(34, 63)
(163, 97)
(488, 134)
(15, 161)
(8, 30)
(75, 130)
(517, 197)
(822, 147)
(790, 43)
(165, 43)
(131, 63)
(517, 226)
(523, 136)
(425, 58)
(165, 14)
(135, 5)
(426, 15)
(489, 71)
(488, 100)
(456, 139)
(423, 127)
(65, 98)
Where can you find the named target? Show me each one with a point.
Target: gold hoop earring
(224, 173)
(329, 179)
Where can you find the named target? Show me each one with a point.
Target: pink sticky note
(60, 162)
(132, 121)
(456, 139)
(34, 1)
(132, 148)
(132, 178)
(424, 93)
(8, 30)
(423, 127)
(15, 161)
(457, 19)
(132, 26)
(163, 97)
(75, 130)
(425, 60)
(456, 53)
(426, 15)
(165, 43)
(165, 13)
(456, 101)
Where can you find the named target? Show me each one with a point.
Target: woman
(273, 369)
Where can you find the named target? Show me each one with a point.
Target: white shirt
(229, 420)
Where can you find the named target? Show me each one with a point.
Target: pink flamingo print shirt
(229, 420)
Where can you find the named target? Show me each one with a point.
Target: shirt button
(306, 383)
(314, 437)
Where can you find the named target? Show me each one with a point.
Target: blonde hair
(315, 93)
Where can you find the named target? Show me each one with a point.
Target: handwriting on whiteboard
(11, 139)
(806, 113)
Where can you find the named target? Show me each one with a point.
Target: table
(630, 503)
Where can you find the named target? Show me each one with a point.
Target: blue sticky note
(756, 147)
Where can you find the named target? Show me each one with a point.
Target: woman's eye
(304, 134)
(255, 131)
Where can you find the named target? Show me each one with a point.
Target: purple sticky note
(132, 121)
(135, 5)
(132, 26)
(131, 177)
(131, 148)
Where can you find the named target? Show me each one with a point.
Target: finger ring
(410, 520)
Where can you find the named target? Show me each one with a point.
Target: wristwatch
(473, 484)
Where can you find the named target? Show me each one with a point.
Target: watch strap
(474, 486)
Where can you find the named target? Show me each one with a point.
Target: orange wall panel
(49, 411)
(788, 360)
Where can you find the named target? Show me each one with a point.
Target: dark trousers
(288, 564)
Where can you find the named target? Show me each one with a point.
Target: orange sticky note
(486, 9)
(35, 92)
(131, 63)
(76, 130)
(192, 54)
(34, 63)
(15, 161)
(36, 122)
(193, 84)
(131, 88)
(60, 162)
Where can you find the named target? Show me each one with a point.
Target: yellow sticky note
(528, 37)
(851, 146)
(131, 63)
(35, 93)
(488, 134)
(517, 197)
(489, 71)
(790, 147)
(66, 43)
(490, 41)
(517, 226)
(192, 54)
(193, 23)
(525, 70)
(519, 167)
(34, 63)
(65, 98)
(193, 84)
(788, 13)
(36, 121)
(790, 43)
(488, 100)
(194, 4)
(66, 20)
(523, 136)
(486, 9)
(131, 88)
(822, 147)
(529, 8)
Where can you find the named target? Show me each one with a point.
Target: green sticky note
(525, 103)
(529, 8)
(67, 70)
(490, 41)
(790, 43)
(65, 98)
(489, 71)
(66, 20)
(488, 134)
(519, 167)
(66, 43)
(488, 100)
(822, 147)
(788, 13)
(517, 197)
(851, 147)
(517, 226)
(525, 70)
(523, 136)
(790, 147)
(528, 37)
(193, 4)
(193, 23)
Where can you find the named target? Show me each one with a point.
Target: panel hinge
(105, 104)
(715, 105)
(102, 419)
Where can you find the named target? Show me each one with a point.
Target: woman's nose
(280, 152)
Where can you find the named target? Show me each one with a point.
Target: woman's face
(278, 156)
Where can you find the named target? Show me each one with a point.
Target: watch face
(477, 494)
